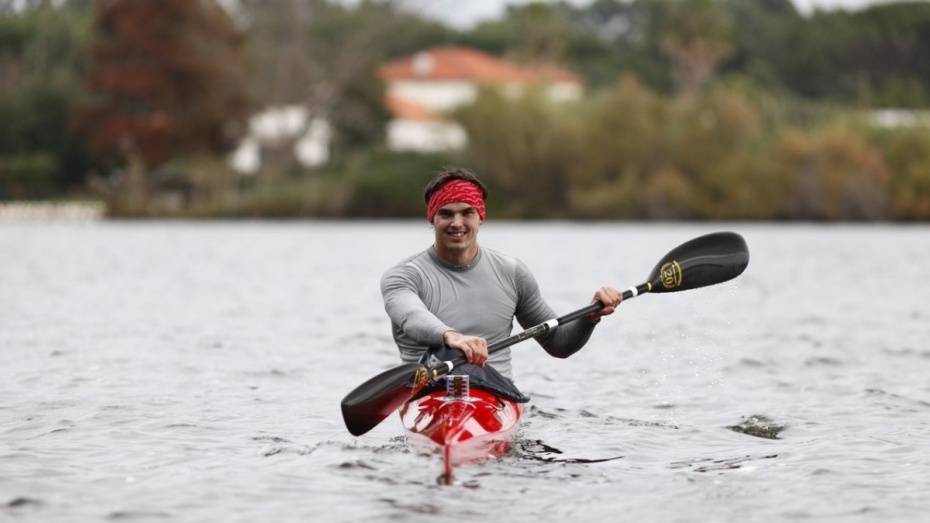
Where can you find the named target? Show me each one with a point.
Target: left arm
(564, 340)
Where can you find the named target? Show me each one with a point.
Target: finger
(609, 296)
(613, 297)
(480, 358)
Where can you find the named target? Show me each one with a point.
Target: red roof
(407, 110)
(462, 63)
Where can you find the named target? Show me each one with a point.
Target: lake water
(193, 372)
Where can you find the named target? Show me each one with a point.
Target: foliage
(166, 78)
(41, 64)
(696, 35)
(832, 174)
(695, 109)
(524, 143)
(324, 55)
(386, 184)
(907, 154)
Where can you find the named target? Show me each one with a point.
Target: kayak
(463, 425)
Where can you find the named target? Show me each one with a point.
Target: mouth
(456, 235)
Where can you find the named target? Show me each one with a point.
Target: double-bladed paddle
(706, 260)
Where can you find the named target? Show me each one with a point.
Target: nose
(458, 219)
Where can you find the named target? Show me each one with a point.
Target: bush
(386, 184)
(27, 176)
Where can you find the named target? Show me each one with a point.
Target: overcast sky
(465, 14)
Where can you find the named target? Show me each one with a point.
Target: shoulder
(511, 264)
(500, 260)
(513, 268)
(410, 268)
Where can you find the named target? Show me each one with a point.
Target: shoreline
(46, 211)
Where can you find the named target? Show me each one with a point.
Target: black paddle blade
(705, 260)
(373, 401)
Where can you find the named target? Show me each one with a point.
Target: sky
(465, 14)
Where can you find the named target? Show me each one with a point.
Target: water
(193, 371)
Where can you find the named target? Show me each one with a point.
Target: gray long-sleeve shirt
(425, 296)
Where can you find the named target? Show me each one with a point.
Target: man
(462, 296)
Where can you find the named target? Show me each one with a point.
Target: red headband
(456, 191)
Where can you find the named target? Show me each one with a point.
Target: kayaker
(462, 296)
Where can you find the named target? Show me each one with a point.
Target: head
(455, 207)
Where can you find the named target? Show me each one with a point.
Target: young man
(463, 296)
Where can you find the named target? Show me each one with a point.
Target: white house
(422, 87)
(274, 126)
(420, 90)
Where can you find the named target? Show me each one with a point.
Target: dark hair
(452, 173)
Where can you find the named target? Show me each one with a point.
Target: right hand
(474, 347)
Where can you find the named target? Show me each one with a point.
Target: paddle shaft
(536, 331)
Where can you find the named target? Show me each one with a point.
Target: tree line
(695, 109)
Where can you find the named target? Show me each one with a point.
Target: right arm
(400, 291)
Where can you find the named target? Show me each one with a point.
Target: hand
(610, 298)
(474, 347)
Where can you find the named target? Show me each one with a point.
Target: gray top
(425, 296)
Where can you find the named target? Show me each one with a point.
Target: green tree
(524, 146)
(41, 64)
(621, 146)
(907, 153)
(696, 35)
(833, 174)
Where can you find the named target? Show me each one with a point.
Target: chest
(479, 302)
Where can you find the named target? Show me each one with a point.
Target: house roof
(462, 63)
(407, 110)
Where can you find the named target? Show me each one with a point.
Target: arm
(564, 340)
(400, 292)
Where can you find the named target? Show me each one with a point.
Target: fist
(474, 347)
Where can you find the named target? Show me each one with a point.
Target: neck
(457, 256)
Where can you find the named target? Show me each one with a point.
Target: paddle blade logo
(670, 273)
(421, 378)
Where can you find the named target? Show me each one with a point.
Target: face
(456, 225)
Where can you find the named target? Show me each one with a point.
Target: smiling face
(456, 227)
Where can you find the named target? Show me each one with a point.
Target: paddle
(703, 261)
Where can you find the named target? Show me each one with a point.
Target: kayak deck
(465, 430)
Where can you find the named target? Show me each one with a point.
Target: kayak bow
(464, 428)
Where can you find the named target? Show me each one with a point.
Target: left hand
(609, 298)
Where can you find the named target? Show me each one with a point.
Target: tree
(697, 36)
(524, 145)
(167, 78)
(324, 56)
(41, 62)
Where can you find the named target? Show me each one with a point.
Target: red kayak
(464, 425)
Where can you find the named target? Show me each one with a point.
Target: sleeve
(564, 340)
(400, 292)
